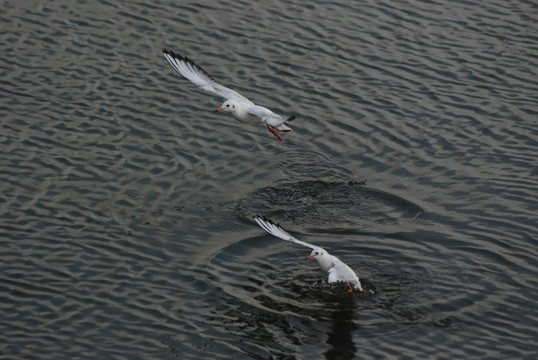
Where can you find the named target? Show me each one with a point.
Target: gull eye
(227, 105)
(317, 253)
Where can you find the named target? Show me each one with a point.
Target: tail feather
(284, 128)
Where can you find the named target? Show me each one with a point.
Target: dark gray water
(126, 202)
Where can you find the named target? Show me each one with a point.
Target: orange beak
(309, 257)
(219, 109)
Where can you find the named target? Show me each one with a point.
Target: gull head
(315, 254)
(228, 106)
(322, 257)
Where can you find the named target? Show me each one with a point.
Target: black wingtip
(257, 216)
(291, 118)
(263, 218)
(175, 54)
(180, 57)
(272, 222)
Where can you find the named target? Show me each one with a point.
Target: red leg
(273, 131)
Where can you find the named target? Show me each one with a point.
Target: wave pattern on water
(126, 201)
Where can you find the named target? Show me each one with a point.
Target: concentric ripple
(329, 204)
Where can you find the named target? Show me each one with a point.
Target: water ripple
(127, 202)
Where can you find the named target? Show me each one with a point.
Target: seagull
(236, 104)
(337, 270)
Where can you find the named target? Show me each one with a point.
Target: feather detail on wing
(201, 78)
(277, 230)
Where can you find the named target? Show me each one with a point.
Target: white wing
(277, 230)
(201, 78)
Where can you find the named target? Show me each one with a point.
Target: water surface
(126, 201)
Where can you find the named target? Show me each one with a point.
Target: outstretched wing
(201, 78)
(277, 230)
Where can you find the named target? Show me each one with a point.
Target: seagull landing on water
(337, 270)
(236, 104)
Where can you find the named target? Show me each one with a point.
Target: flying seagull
(236, 104)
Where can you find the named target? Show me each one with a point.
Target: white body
(336, 269)
(236, 104)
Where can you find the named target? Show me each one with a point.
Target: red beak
(219, 109)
